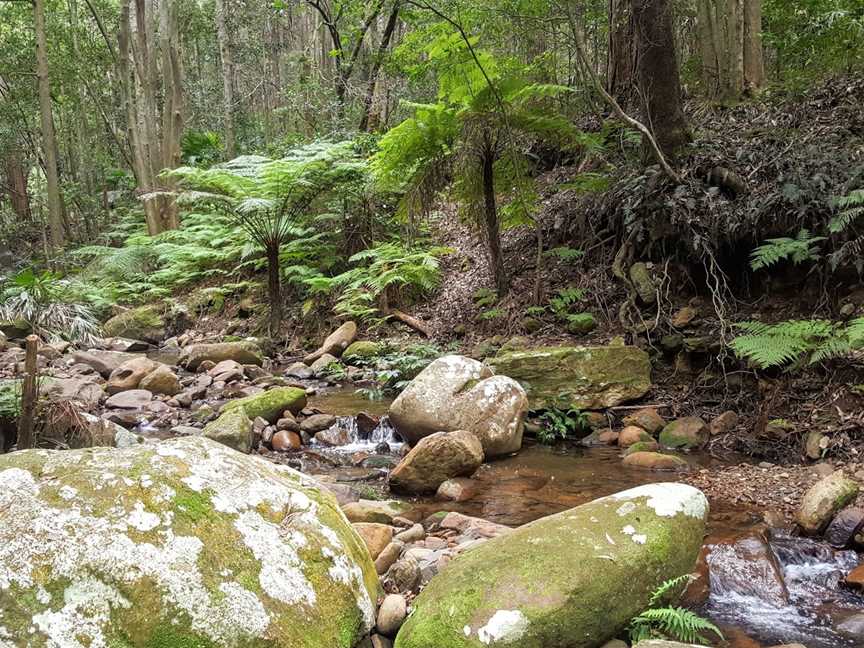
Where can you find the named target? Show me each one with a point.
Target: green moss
(143, 323)
(167, 636)
(270, 404)
(641, 446)
(193, 506)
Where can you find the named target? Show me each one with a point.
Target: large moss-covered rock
(580, 377)
(687, 432)
(244, 352)
(362, 350)
(142, 323)
(458, 393)
(232, 429)
(181, 544)
(270, 404)
(573, 579)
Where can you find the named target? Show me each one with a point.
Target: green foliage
(394, 369)
(380, 274)
(567, 254)
(42, 300)
(485, 297)
(675, 623)
(559, 424)
(200, 148)
(798, 250)
(564, 300)
(849, 208)
(10, 400)
(490, 314)
(794, 342)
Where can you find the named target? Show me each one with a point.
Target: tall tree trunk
(490, 213)
(227, 57)
(710, 46)
(16, 181)
(735, 48)
(657, 74)
(49, 140)
(620, 62)
(754, 63)
(274, 291)
(368, 121)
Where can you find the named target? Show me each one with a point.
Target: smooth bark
(227, 58)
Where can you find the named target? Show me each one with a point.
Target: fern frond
(798, 250)
(679, 624)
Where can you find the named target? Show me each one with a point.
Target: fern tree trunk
(493, 234)
(274, 291)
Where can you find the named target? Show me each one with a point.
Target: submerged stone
(178, 544)
(578, 377)
(573, 579)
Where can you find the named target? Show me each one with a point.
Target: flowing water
(766, 587)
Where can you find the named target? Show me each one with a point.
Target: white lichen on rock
(88, 531)
(667, 499)
(505, 625)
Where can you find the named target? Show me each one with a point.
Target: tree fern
(798, 250)
(794, 342)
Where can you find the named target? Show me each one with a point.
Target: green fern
(794, 342)
(798, 250)
(565, 253)
(850, 208)
(670, 622)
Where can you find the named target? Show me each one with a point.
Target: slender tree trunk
(227, 57)
(49, 140)
(490, 213)
(29, 394)
(16, 179)
(754, 63)
(368, 121)
(735, 48)
(620, 63)
(657, 72)
(274, 291)
(709, 46)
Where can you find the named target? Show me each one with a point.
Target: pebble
(391, 614)
(389, 555)
(414, 534)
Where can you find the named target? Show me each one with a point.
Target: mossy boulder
(183, 543)
(232, 429)
(581, 323)
(580, 377)
(270, 404)
(362, 350)
(245, 352)
(687, 432)
(573, 579)
(143, 323)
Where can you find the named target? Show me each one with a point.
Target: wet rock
(133, 399)
(647, 418)
(391, 614)
(378, 641)
(601, 437)
(579, 377)
(270, 404)
(366, 424)
(161, 381)
(322, 364)
(227, 371)
(285, 441)
(724, 423)
(596, 420)
(382, 448)
(91, 524)
(496, 583)
(687, 432)
(403, 576)
(655, 461)
(317, 423)
(286, 423)
(382, 511)
(233, 429)
(299, 370)
(335, 344)
(843, 528)
(823, 500)
(747, 565)
(129, 374)
(143, 323)
(852, 627)
(855, 578)
(362, 350)
(458, 489)
(435, 459)
(376, 536)
(642, 446)
(631, 435)
(103, 362)
(665, 643)
(458, 393)
(333, 437)
(472, 527)
(242, 352)
(389, 555)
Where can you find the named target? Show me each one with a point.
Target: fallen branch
(416, 324)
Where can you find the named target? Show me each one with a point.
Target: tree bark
(29, 394)
(735, 48)
(490, 213)
(620, 62)
(369, 122)
(49, 140)
(659, 84)
(227, 57)
(711, 50)
(754, 62)
(16, 184)
(274, 291)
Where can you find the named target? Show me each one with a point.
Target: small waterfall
(782, 589)
(368, 440)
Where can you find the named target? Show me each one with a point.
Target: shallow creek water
(765, 588)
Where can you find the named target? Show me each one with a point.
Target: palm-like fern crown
(490, 108)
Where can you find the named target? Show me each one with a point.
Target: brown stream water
(765, 589)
